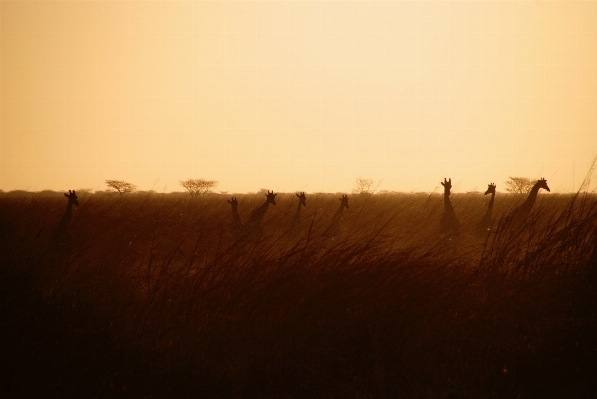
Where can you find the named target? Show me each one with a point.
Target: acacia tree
(362, 186)
(120, 186)
(519, 185)
(197, 187)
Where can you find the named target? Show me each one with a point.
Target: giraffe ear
(66, 195)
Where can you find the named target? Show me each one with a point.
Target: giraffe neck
(235, 217)
(485, 223)
(521, 213)
(334, 227)
(490, 206)
(339, 213)
(487, 217)
(447, 202)
(530, 201)
(259, 213)
(64, 222)
(297, 214)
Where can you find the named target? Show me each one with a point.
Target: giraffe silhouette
(516, 220)
(296, 220)
(449, 223)
(295, 227)
(485, 224)
(60, 238)
(236, 225)
(334, 227)
(253, 225)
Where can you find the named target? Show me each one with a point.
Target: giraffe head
(72, 198)
(302, 199)
(271, 198)
(447, 186)
(344, 201)
(233, 202)
(490, 189)
(542, 183)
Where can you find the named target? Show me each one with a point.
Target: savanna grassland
(151, 296)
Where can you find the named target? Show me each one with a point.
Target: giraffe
(516, 219)
(253, 225)
(449, 223)
(236, 225)
(296, 220)
(295, 228)
(334, 227)
(485, 224)
(60, 236)
(59, 250)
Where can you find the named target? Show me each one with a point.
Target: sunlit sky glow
(297, 95)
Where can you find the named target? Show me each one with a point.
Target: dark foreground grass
(151, 297)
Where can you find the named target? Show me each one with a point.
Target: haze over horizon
(297, 95)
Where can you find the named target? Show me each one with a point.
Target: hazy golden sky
(297, 95)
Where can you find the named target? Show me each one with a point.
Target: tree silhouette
(519, 185)
(120, 186)
(362, 186)
(197, 187)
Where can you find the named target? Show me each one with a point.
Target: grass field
(152, 297)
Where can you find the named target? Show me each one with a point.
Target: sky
(297, 95)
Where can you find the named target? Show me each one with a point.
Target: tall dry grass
(155, 298)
